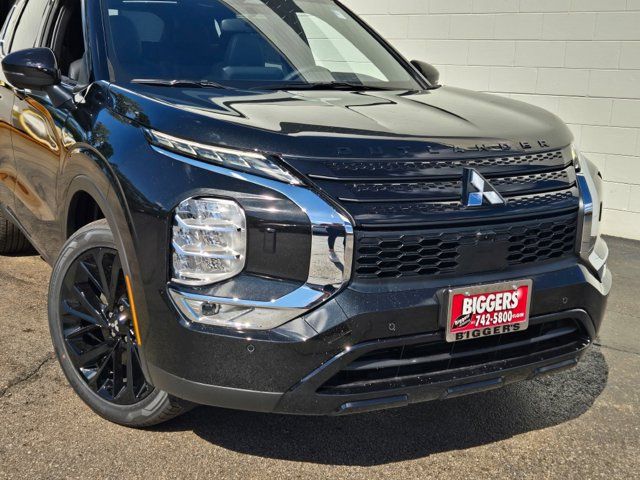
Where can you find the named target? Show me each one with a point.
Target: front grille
(461, 251)
(544, 159)
(514, 205)
(415, 193)
(438, 361)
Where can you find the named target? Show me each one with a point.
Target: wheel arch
(82, 209)
(87, 174)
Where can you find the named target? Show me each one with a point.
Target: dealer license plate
(485, 310)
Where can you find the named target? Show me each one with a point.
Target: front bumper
(287, 370)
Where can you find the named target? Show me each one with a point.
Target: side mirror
(32, 69)
(36, 69)
(428, 71)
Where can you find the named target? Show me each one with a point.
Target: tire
(12, 240)
(91, 329)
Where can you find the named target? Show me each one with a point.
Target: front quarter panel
(91, 166)
(138, 189)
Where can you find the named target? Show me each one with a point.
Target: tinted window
(247, 43)
(150, 26)
(4, 10)
(29, 25)
(67, 40)
(9, 26)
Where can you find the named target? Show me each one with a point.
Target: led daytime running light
(250, 162)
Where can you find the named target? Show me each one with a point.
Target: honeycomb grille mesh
(539, 243)
(432, 253)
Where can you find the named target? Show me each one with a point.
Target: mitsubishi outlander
(261, 205)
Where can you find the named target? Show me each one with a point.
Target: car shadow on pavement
(408, 433)
(30, 252)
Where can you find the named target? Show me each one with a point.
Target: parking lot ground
(584, 423)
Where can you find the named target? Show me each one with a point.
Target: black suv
(261, 205)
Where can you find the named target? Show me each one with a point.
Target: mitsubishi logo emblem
(477, 190)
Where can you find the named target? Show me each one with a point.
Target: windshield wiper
(177, 83)
(278, 86)
(320, 86)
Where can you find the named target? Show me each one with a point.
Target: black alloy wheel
(93, 333)
(98, 327)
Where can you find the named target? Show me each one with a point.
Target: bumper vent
(462, 251)
(423, 364)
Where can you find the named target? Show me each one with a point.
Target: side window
(29, 25)
(67, 41)
(6, 34)
(4, 10)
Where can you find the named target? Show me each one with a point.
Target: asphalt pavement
(584, 423)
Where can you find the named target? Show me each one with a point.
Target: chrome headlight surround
(591, 248)
(326, 276)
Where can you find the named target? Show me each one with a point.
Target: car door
(37, 142)
(7, 162)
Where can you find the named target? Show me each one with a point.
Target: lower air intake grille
(428, 363)
(463, 251)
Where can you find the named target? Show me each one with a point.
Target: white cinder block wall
(577, 58)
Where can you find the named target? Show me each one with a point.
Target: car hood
(339, 124)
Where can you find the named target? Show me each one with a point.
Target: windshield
(247, 44)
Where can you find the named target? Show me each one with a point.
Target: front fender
(90, 168)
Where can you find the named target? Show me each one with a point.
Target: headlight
(251, 162)
(209, 241)
(592, 249)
